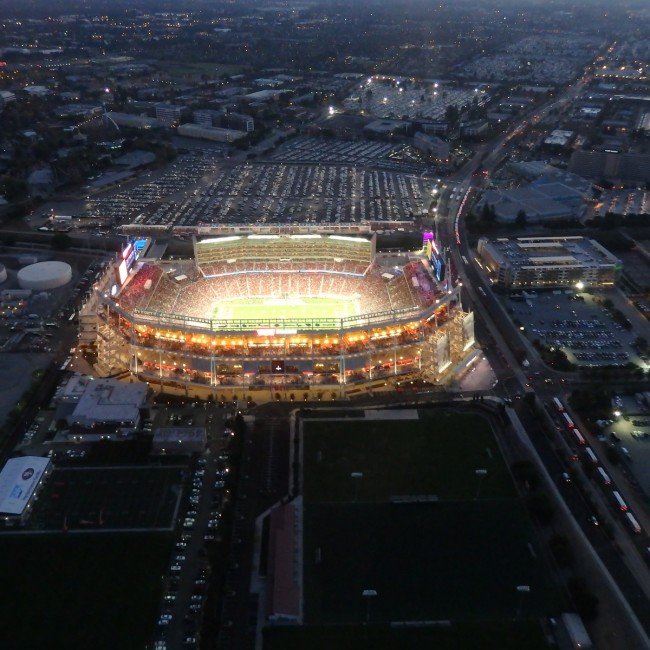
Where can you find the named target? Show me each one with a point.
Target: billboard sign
(437, 260)
(122, 272)
(18, 481)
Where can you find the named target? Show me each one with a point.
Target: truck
(576, 630)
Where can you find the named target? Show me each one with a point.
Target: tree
(541, 507)
(585, 600)
(562, 551)
(60, 241)
(13, 189)
(521, 219)
(452, 115)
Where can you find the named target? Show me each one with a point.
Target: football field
(265, 310)
(420, 509)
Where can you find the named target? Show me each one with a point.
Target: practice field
(81, 591)
(449, 560)
(311, 310)
(397, 506)
(133, 498)
(437, 454)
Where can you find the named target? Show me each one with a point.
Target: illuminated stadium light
(263, 237)
(305, 236)
(356, 240)
(218, 240)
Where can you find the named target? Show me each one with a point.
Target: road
(501, 341)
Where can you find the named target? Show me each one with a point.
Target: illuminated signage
(122, 272)
(277, 366)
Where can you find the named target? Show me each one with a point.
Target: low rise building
(432, 145)
(134, 121)
(213, 133)
(20, 480)
(179, 441)
(6, 97)
(548, 262)
(103, 408)
(169, 113)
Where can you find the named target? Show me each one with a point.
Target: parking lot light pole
(522, 590)
(368, 594)
(480, 473)
(356, 478)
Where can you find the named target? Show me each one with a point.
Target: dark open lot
(134, 498)
(80, 591)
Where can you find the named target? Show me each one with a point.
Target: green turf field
(437, 454)
(459, 557)
(450, 560)
(278, 309)
(81, 591)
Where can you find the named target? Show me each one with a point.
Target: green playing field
(268, 309)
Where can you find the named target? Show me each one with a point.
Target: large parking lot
(395, 99)
(311, 180)
(279, 193)
(380, 155)
(579, 325)
(630, 426)
(185, 171)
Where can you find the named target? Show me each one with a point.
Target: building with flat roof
(559, 138)
(548, 262)
(179, 441)
(20, 480)
(554, 194)
(432, 145)
(134, 121)
(106, 407)
(611, 165)
(6, 97)
(386, 127)
(169, 113)
(214, 133)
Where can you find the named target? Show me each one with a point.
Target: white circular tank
(44, 275)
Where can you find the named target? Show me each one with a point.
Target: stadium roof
(19, 479)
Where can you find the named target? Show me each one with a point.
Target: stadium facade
(280, 313)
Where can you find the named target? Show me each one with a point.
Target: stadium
(278, 313)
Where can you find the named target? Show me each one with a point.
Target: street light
(368, 594)
(522, 590)
(480, 473)
(356, 477)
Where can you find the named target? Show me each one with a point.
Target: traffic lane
(267, 443)
(186, 622)
(581, 511)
